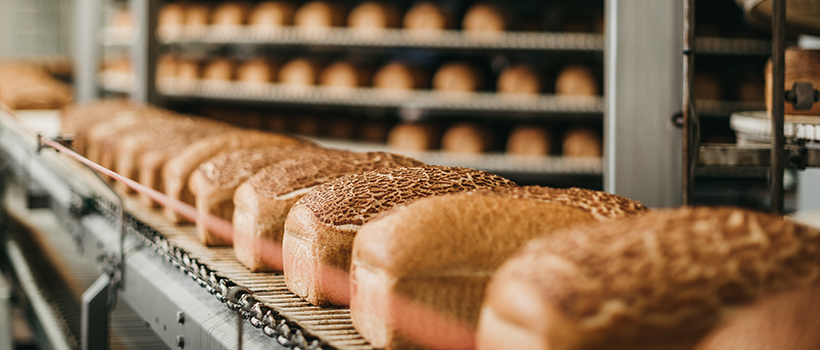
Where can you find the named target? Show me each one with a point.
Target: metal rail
(778, 102)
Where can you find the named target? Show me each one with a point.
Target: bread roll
(801, 65)
(400, 76)
(197, 15)
(457, 77)
(373, 132)
(781, 321)
(262, 203)
(178, 169)
(413, 137)
(256, 70)
(319, 14)
(439, 253)
(373, 15)
(320, 227)
(706, 86)
(576, 80)
(528, 140)
(214, 182)
(655, 281)
(271, 14)
(230, 14)
(344, 74)
(219, 69)
(485, 18)
(467, 138)
(427, 16)
(582, 142)
(171, 15)
(299, 72)
(519, 79)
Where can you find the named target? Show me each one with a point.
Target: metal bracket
(95, 315)
(802, 95)
(65, 140)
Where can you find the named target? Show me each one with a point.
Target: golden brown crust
(576, 80)
(427, 16)
(519, 79)
(600, 204)
(457, 77)
(373, 15)
(230, 13)
(344, 74)
(582, 142)
(657, 278)
(467, 138)
(272, 14)
(77, 119)
(485, 17)
(413, 137)
(319, 14)
(400, 76)
(530, 141)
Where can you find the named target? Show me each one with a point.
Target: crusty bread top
(84, 115)
(664, 272)
(355, 199)
(230, 168)
(601, 205)
(323, 165)
(466, 234)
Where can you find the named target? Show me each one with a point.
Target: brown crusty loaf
(257, 70)
(177, 170)
(782, 321)
(101, 138)
(214, 182)
(320, 227)
(519, 79)
(373, 15)
(427, 16)
(582, 142)
(77, 119)
(400, 76)
(530, 141)
(485, 18)
(319, 14)
(655, 281)
(457, 77)
(271, 14)
(219, 69)
(262, 203)
(230, 13)
(440, 252)
(801, 65)
(344, 74)
(467, 138)
(576, 80)
(413, 137)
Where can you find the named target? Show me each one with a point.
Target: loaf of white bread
(214, 182)
(801, 65)
(785, 320)
(263, 201)
(439, 253)
(655, 281)
(321, 226)
(177, 170)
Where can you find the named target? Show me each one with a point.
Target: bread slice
(438, 253)
(214, 182)
(320, 227)
(654, 281)
(178, 169)
(262, 203)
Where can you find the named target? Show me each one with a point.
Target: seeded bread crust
(320, 227)
(178, 169)
(655, 281)
(600, 204)
(262, 203)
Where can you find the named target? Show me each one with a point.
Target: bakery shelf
(732, 46)
(117, 36)
(388, 38)
(367, 97)
(116, 82)
(492, 162)
(726, 108)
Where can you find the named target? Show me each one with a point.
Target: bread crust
(262, 203)
(656, 281)
(325, 221)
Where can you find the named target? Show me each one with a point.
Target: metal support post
(95, 315)
(86, 48)
(145, 49)
(5, 315)
(690, 120)
(778, 102)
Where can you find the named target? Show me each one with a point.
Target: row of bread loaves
(452, 77)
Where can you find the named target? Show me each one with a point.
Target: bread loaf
(187, 73)
(373, 15)
(24, 85)
(101, 138)
(519, 79)
(576, 80)
(77, 119)
(485, 18)
(262, 203)
(219, 69)
(528, 140)
(299, 72)
(214, 182)
(801, 65)
(345, 75)
(439, 253)
(167, 67)
(271, 14)
(427, 16)
(781, 321)
(197, 16)
(320, 227)
(171, 17)
(256, 70)
(654, 281)
(413, 137)
(582, 142)
(457, 77)
(400, 76)
(467, 138)
(177, 170)
(319, 14)
(230, 14)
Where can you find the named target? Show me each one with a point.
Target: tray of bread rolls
(380, 251)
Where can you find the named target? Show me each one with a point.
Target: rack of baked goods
(455, 85)
(345, 250)
(369, 24)
(32, 83)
